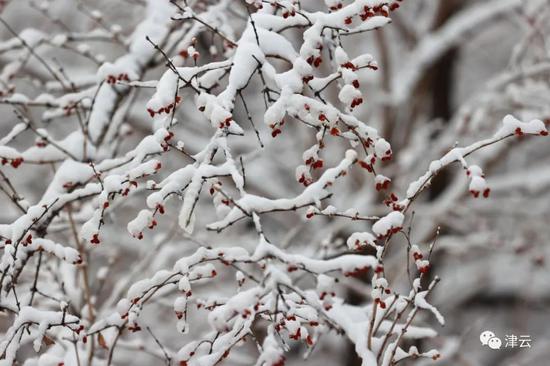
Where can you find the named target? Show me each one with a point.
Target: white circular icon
(485, 336)
(494, 343)
(488, 338)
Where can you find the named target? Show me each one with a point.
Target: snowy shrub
(208, 184)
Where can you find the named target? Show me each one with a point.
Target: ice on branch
(389, 224)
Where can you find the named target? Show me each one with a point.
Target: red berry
(275, 132)
(95, 239)
(16, 162)
(318, 164)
